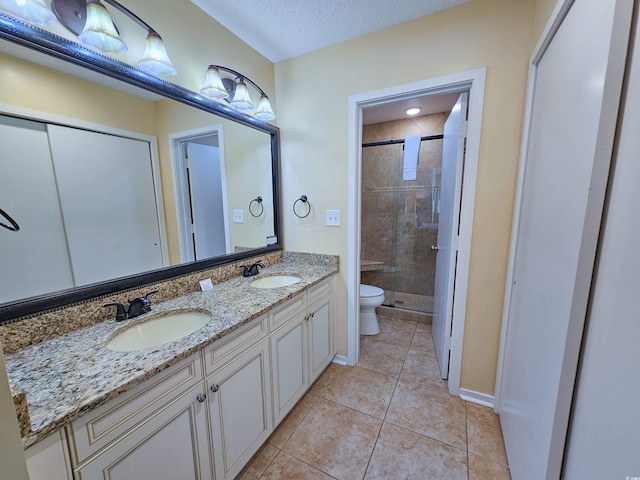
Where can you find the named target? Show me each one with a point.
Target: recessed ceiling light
(413, 110)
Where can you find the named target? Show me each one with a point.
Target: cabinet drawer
(225, 350)
(101, 426)
(320, 290)
(287, 311)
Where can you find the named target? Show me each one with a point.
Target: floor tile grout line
(306, 463)
(375, 444)
(425, 436)
(270, 463)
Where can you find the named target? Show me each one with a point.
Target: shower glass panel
(400, 221)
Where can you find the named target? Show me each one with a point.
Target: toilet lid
(370, 291)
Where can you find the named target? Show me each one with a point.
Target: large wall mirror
(117, 178)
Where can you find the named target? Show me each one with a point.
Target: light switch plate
(238, 216)
(333, 218)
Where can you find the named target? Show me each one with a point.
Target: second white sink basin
(157, 331)
(275, 281)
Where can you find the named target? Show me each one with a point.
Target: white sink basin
(275, 281)
(157, 331)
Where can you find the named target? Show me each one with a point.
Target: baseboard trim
(340, 360)
(477, 397)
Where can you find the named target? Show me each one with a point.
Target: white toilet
(370, 298)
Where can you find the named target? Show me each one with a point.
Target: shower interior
(400, 217)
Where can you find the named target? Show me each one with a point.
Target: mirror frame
(51, 44)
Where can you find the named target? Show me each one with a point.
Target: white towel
(411, 152)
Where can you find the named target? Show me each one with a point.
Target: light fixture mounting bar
(73, 13)
(131, 15)
(239, 75)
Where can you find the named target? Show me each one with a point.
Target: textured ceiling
(283, 29)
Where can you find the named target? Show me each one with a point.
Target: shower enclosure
(400, 217)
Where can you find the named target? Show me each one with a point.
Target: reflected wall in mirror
(126, 184)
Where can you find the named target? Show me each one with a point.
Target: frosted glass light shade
(213, 86)
(99, 31)
(155, 59)
(264, 111)
(241, 99)
(31, 11)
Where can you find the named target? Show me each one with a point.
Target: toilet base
(369, 323)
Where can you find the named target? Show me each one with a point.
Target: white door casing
(472, 81)
(447, 247)
(574, 89)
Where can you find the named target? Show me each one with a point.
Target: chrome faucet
(137, 306)
(251, 270)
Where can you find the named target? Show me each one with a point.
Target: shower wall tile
(392, 205)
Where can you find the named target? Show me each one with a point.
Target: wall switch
(238, 216)
(333, 218)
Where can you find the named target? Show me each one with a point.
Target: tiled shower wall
(399, 217)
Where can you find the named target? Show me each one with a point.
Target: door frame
(182, 200)
(474, 82)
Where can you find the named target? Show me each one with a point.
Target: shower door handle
(435, 248)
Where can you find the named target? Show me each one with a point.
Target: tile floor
(389, 417)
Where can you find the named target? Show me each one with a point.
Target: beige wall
(313, 91)
(23, 86)
(544, 8)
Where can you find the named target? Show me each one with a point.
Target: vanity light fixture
(91, 22)
(413, 111)
(235, 91)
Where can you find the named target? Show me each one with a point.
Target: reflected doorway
(201, 193)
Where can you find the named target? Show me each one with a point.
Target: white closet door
(572, 123)
(33, 260)
(605, 425)
(105, 184)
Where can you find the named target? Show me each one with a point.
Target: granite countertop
(71, 374)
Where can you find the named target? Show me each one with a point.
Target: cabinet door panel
(288, 356)
(320, 336)
(171, 445)
(240, 409)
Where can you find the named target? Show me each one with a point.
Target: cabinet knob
(201, 397)
(215, 388)
(312, 314)
(306, 318)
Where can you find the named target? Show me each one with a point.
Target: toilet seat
(368, 291)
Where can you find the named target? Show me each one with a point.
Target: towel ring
(305, 201)
(257, 200)
(14, 227)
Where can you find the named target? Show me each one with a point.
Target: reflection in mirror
(112, 184)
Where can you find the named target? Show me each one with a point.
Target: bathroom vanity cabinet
(207, 415)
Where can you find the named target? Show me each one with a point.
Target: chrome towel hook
(14, 227)
(304, 201)
(257, 200)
